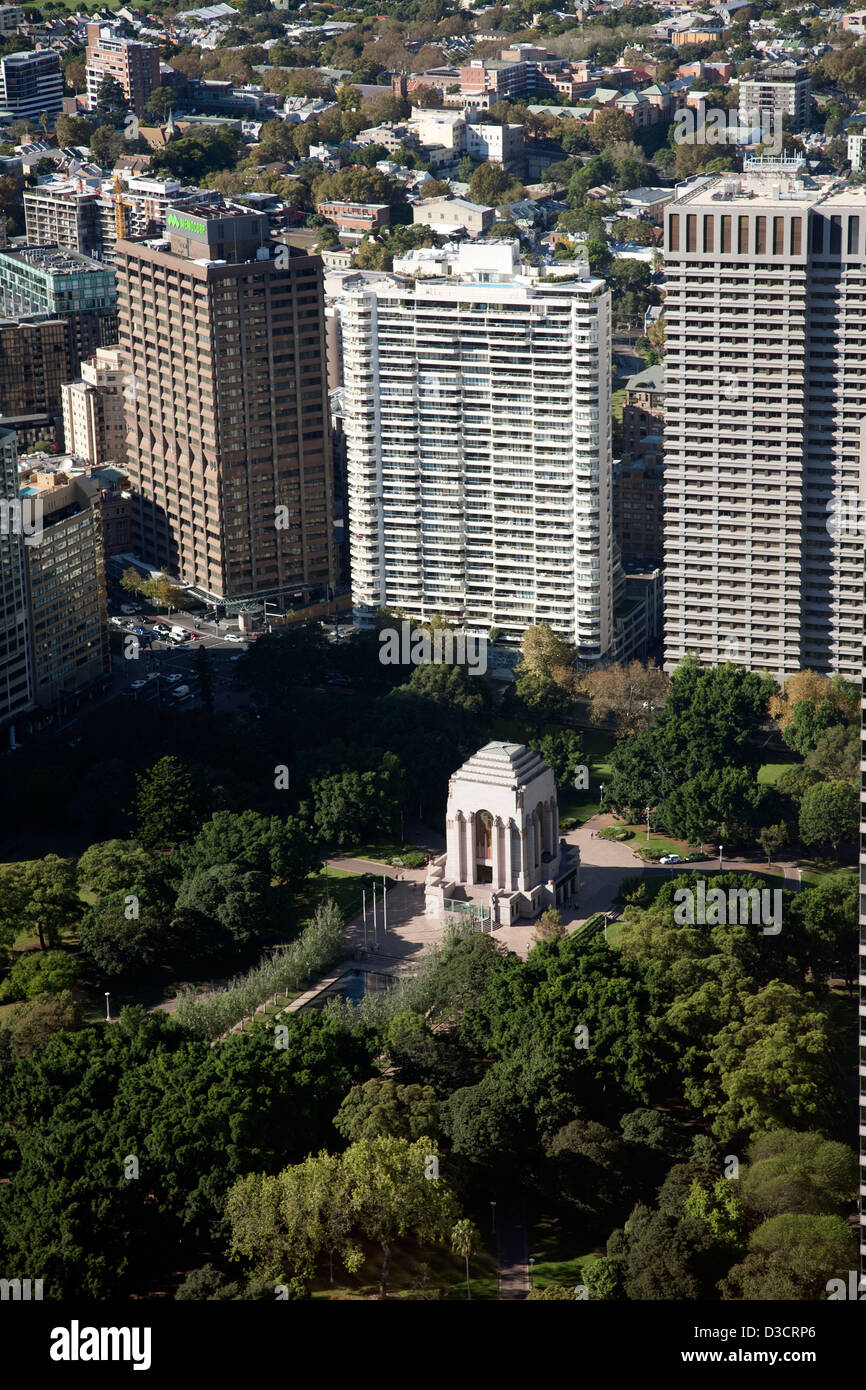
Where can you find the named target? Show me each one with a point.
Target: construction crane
(120, 206)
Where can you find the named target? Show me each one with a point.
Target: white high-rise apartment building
(765, 421)
(479, 454)
(94, 416)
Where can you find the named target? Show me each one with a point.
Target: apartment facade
(30, 83)
(228, 441)
(16, 670)
(476, 413)
(765, 452)
(56, 280)
(66, 586)
(133, 64)
(63, 213)
(783, 91)
(94, 408)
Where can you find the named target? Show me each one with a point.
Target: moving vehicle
(233, 637)
(671, 859)
(138, 685)
(180, 634)
(130, 608)
(181, 692)
(173, 677)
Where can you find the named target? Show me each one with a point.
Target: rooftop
(510, 765)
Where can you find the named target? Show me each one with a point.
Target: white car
(138, 685)
(233, 637)
(671, 859)
(173, 677)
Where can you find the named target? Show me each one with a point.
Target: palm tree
(464, 1241)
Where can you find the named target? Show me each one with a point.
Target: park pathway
(512, 1254)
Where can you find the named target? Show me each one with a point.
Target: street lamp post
(364, 896)
(493, 1217)
(384, 906)
(531, 1264)
(721, 847)
(647, 822)
(107, 1007)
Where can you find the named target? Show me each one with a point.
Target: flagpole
(384, 905)
(364, 895)
(375, 938)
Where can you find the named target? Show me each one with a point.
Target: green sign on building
(185, 224)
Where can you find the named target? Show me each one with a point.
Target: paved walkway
(512, 1253)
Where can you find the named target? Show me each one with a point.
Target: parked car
(117, 622)
(130, 608)
(161, 630)
(671, 859)
(173, 677)
(138, 685)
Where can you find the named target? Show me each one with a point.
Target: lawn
(380, 851)
(596, 746)
(415, 1274)
(343, 888)
(771, 771)
(559, 1257)
(814, 871)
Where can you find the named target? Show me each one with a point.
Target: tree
(132, 581)
(549, 926)
(38, 895)
(777, 1066)
(205, 677)
(166, 804)
(123, 933)
(631, 693)
(225, 906)
(792, 1257)
(159, 103)
(771, 839)
(827, 917)
(381, 1106)
(720, 1209)
(106, 146)
(561, 750)
(729, 805)
(251, 841)
(465, 1240)
(111, 99)
(72, 130)
(394, 1190)
(31, 1025)
(798, 1173)
(491, 186)
(287, 1222)
(38, 972)
(663, 1257)
(815, 690)
(609, 125)
(836, 755)
(111, 865)
(829, 814)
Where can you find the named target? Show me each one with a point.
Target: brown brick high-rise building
(227, 411)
